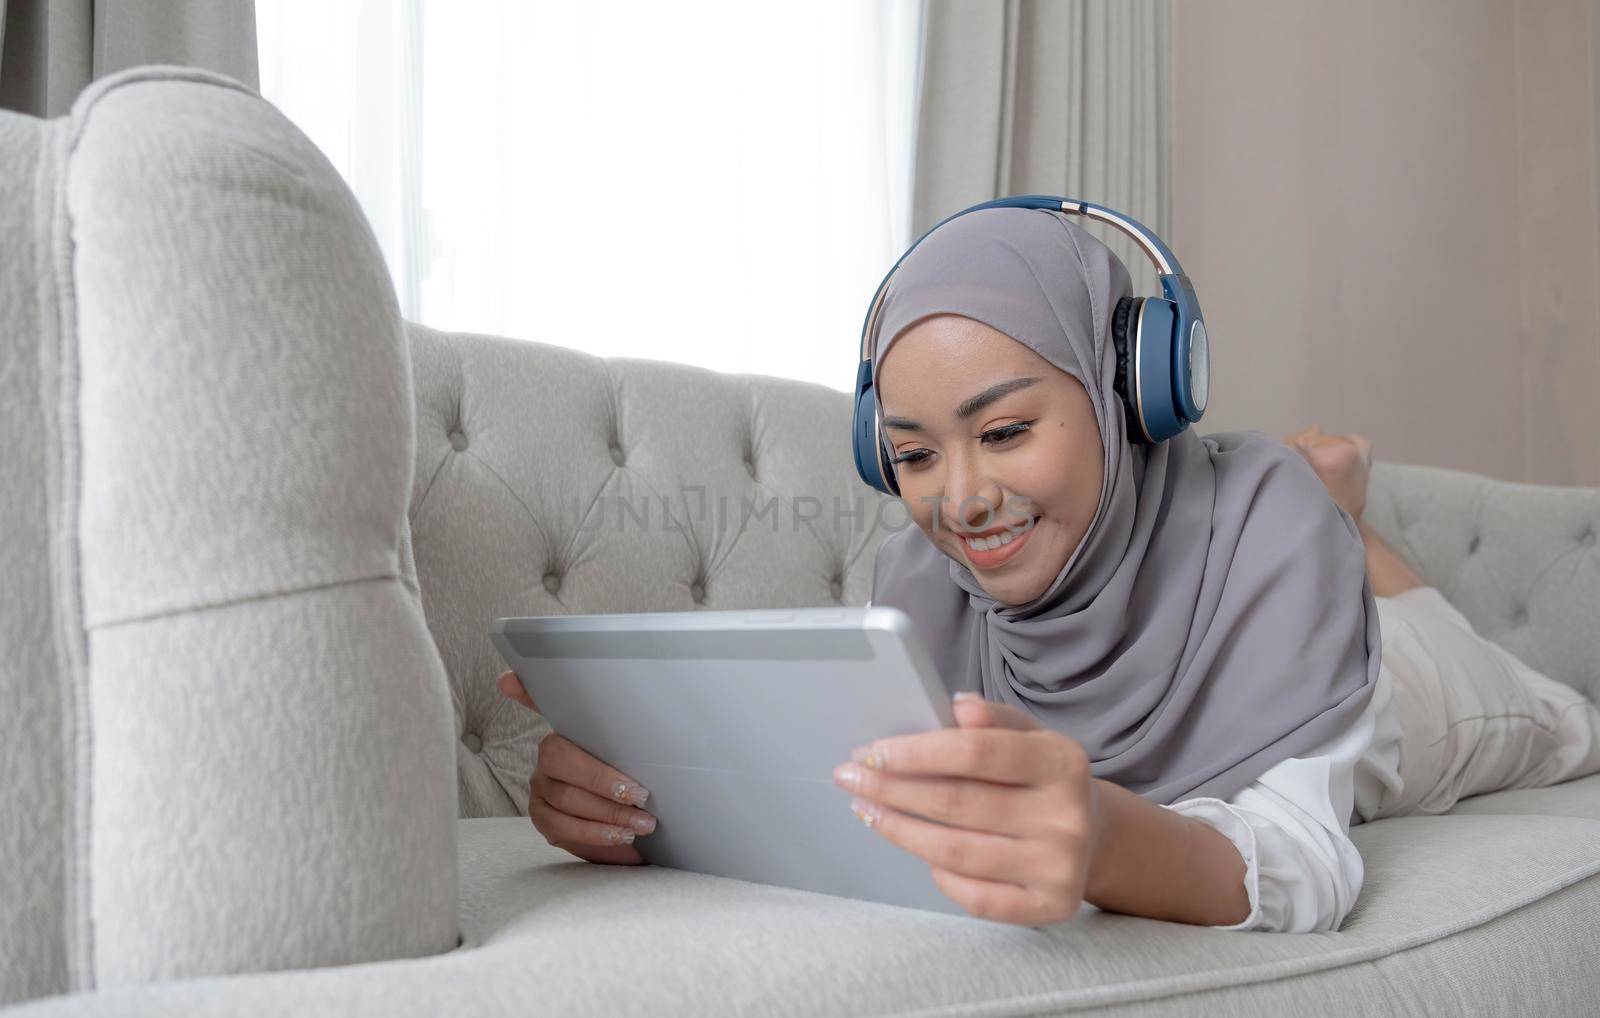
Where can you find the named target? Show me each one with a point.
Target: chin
(1014, 592)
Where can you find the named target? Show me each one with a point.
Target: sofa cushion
(1461, 915)
(1577, 798)
(260, 771)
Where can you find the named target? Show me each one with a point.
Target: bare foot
(1343, 462)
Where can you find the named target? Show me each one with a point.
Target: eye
(913, 457)
(1004, 434)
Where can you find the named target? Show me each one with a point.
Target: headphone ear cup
(1124, 382)
(872, 460)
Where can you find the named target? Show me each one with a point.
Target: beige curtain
(1068, 97)
(51, 49)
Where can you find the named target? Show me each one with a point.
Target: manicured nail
(643, 824)
(871, 756)
(869, 813)
(965, 695)
(630, 792)
(619, 836)
(847, 775)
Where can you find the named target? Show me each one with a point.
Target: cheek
(920, 499)
(1036, 474)
(1065, 478)
(1074, 472)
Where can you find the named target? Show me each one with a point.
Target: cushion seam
(66, 558)
(266, 595)
(59, 335)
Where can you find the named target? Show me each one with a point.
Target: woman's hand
(580, 803)
(1023, 809)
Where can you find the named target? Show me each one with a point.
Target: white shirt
(1291, 825)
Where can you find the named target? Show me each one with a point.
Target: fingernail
(871, 756)
(630, 792)
(868, 813)
(642, 824)
(966, 695)
(848, 775)
(619, 836)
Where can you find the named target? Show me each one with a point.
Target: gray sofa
(253, 529)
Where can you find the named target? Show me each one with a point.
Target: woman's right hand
(579, 802)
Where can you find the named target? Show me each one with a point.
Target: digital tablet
(734, 721)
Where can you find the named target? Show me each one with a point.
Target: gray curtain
(1068, 97)
(51, 49)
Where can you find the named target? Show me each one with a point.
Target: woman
(1166, 659)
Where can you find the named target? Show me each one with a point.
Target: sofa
(254, 528)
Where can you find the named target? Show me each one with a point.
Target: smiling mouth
(991, 549)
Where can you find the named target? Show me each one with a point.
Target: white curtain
(1068, 97)
(716, 183)
(51, 49)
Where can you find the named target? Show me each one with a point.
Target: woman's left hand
(1023, 810)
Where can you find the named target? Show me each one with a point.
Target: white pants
(1473, 718)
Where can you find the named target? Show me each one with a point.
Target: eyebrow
(990, 395)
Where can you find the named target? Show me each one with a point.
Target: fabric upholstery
(524, 506)
(32, 797)
(1521, 561)
(223, 430)
(550, 481)
(1460, 917)
(236, 721)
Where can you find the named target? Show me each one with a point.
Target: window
(716, 183)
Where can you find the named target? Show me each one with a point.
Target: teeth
(991, 542)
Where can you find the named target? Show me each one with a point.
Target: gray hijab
(1216, 618)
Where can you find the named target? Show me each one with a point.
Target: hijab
(1216, 618)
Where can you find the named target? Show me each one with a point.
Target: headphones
(1160, 346)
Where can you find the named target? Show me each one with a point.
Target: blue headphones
(1160, 345)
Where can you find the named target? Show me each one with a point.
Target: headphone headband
(1159, 254)
(1166, 353)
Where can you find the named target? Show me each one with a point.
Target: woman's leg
(1474, 718)
(1344, 462)
(1388, 571)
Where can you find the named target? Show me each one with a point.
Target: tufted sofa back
(551, 481)
(1521, 561)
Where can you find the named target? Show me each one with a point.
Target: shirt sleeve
(1292, 827)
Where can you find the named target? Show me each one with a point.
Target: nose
(972, 496)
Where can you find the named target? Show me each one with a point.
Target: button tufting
(697, 592)
(458, 441)
(837, 590)
(750, 466)
(616, 455)
(1519, 615)
(1472, 545)
(552, 582)
(1588, 538)
(473, 743)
